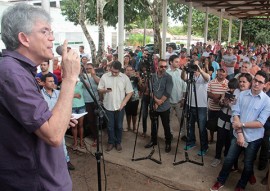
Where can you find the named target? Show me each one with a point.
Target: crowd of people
(231, 83)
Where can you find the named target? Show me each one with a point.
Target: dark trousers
(165, 119)
(263, 158)
(223, 140)
(145, 105)
(90, 119)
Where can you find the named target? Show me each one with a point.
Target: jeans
(202, 113)
(115, 126)
(232, 156)
(165, 119)
(145, 105)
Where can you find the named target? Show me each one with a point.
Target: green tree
(252, 27)
(137, 39)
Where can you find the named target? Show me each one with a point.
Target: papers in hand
(77, 116)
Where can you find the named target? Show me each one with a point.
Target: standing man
(51, 96)
(216, 88)
(228, 62)
(44, 66)
(201, 79)
(249, 114)
(178, 90)
(162, 89)
(117, 90)
(83, 54)
(31, 135)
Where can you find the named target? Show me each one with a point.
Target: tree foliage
(254, 27)
(137, 39)
(263, 37)
(134, 11)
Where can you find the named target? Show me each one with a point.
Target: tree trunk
(101, 43)
(156, 15)
(86, 32)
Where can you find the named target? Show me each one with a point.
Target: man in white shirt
(117, 90)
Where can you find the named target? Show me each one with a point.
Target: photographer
(201, 79)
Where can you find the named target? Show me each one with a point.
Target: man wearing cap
(216, 88)
(228, 62)
(254, 67)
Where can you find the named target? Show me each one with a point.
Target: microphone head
(59, 50)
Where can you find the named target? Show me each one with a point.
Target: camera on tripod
(191, 67)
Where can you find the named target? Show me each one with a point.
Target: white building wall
(67, 30)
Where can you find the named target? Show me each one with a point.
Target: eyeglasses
(163, 66)
(47, 32)
(255, 80)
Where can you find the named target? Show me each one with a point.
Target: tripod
(154, 124)
(186, 118)
(100, 113)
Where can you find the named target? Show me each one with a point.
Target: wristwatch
(243, 125)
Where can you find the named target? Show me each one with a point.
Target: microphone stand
(100, 113)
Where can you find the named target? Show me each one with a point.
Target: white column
(206, 25)
(240, 31)
(220, 25)
(57, 3)
(230, 30)
(189, 27)
(46, 5)
(164, 27)
(121, 31)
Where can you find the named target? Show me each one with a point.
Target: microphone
(59, 50)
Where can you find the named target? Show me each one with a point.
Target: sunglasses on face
(163, 66)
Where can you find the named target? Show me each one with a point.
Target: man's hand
(73, 122)
(237, 125)
(122, 106)
(70, 63)
(240, 139)
(78, 96)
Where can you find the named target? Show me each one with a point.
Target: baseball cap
(221, 69)
(253, 58)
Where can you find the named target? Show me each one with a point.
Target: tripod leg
(137, 130)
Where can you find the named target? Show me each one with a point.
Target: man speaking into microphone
(31, 135)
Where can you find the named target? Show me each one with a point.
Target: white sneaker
(215, 162)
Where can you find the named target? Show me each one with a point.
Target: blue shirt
(215, 65)
(26, 161)
(252, 108)
(50, 99)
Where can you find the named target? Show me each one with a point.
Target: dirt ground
(119, 178)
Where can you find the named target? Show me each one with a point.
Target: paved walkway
(190, 176)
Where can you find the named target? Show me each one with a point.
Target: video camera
(191, 67)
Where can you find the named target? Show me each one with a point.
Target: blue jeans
(202, 113)
(233, 154)
(115, 126)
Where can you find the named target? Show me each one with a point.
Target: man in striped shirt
(216, 88)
